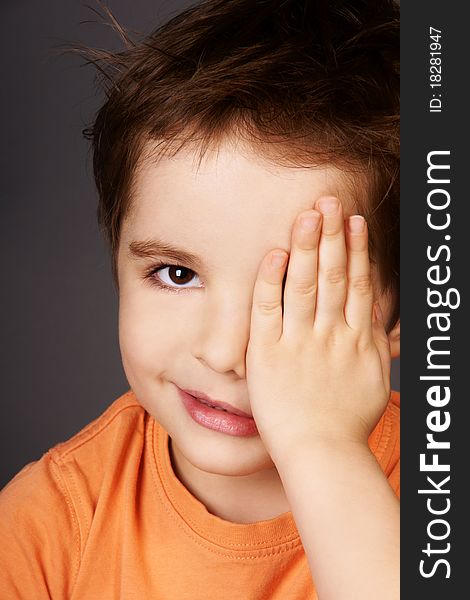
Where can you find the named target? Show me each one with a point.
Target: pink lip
(208, 400)
(229, 420)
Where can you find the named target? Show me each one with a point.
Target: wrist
(319, 448)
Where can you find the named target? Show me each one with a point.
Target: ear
(394, 339)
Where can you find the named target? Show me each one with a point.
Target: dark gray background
(60, 364)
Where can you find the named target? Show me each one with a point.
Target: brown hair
(311, 81)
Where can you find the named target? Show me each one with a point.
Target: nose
(223, 335)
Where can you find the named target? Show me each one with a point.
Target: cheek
(150, 335)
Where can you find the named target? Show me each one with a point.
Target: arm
(318, 374)
(348, 519)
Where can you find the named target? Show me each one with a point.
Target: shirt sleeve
(40, 544)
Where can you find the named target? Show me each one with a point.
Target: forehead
(233, 201)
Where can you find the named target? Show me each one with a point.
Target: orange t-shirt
(102, 516)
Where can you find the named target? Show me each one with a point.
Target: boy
(256, 453)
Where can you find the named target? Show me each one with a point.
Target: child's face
(229, 214)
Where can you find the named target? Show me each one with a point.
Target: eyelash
(155, 281)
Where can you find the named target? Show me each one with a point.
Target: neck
(242, 499)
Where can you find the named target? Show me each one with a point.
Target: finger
(332, 262)
(382, 343)
(266, 313)
(301, 281)
(360, 293)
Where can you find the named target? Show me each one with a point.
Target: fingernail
(328, 206)
(356, 224)
(310, 223)
(278, 259)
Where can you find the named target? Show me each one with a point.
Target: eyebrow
(154, 248)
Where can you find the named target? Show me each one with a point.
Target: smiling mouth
(211, 405)
(218, 416)
(217, 404)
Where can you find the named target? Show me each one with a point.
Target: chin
(221, 454)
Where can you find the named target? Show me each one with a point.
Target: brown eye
(175, 277)
(180, 275)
